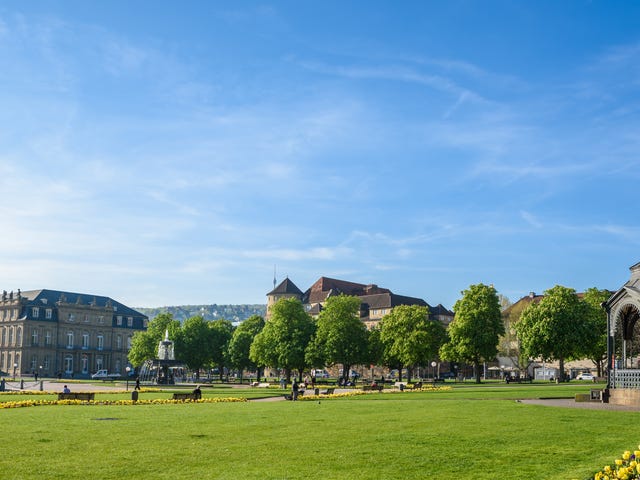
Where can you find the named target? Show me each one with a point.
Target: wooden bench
(370, 388)
(84, 396)
(186, 396)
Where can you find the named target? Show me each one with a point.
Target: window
(34, 362)
(85, 364)
(45, 363)
(47, 337)
(85, 341)
(119, 342)
(11, 336)
(68, 364)
(129, 342)
(35, 312)
(69, 339)
(100, 342)
(4, 336)
(14, 314)
(99, 362)
(118, 366)
(119, 320)
(145, 323)
(101, 319)
(48, 314)
(34, 336)
(71, 317)
(129, 321)
(86, 318)
(19, 337)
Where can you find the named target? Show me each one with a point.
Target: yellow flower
(618, 462)
(626, 455)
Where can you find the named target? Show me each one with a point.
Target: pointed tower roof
(286, 286)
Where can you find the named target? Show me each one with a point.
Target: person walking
(294, 390)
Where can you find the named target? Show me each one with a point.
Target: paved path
(571, 403)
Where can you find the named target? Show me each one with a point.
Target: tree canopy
(341, 337)
(477, 326)
(555, 328)
(284, 338)
(240, 343)
(596, 347)
(411, 337)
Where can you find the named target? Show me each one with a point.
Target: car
(104, 375)
(586, 376)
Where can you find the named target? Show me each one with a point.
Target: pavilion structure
(623, 342)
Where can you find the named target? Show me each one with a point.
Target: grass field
(471, 432)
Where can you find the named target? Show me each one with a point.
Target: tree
(509, 345)
(476, 328)
(220, 333)
(240, 344)
(144, 345)
(556, 328)
(284, 338)
(341, 337)
(596, 349)
(193, 343)
(411, 337)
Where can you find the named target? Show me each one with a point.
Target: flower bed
(627, 467)
(156, 401)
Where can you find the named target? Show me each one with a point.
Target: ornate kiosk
(623, 345)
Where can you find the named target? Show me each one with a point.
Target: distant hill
(234, 313)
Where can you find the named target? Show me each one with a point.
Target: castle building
(376, 302)
(50, 333)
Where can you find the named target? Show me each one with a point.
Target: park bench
(186, 396)
(84, 396)
(369, 388)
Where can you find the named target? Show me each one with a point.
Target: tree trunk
(409, 374)
(476, 367)
(561, 367)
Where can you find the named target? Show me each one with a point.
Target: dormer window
(35, 312)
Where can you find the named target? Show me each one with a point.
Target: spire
(274, 276)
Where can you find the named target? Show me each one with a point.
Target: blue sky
(167, 153)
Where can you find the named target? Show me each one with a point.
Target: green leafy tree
(476, 328)
(596, 348)
(221, 332)
(341, 337)
(284, 338)
(411, 337)
(240, 344)
(144, 345)
(193, 343)
(556, 328)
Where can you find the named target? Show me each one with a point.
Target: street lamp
(15, 365)
(128, 369)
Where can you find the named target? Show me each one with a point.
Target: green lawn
(471, 432)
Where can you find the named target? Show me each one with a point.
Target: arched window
(19, 337)
(70, 339)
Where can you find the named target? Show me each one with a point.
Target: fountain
(161, 369)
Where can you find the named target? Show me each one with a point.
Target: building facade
(375, 302)
(51, 333)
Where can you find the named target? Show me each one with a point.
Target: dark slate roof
(51, 297)
(286, 286)
(390, 300)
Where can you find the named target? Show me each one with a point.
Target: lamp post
(128, 369)
(15, 365)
